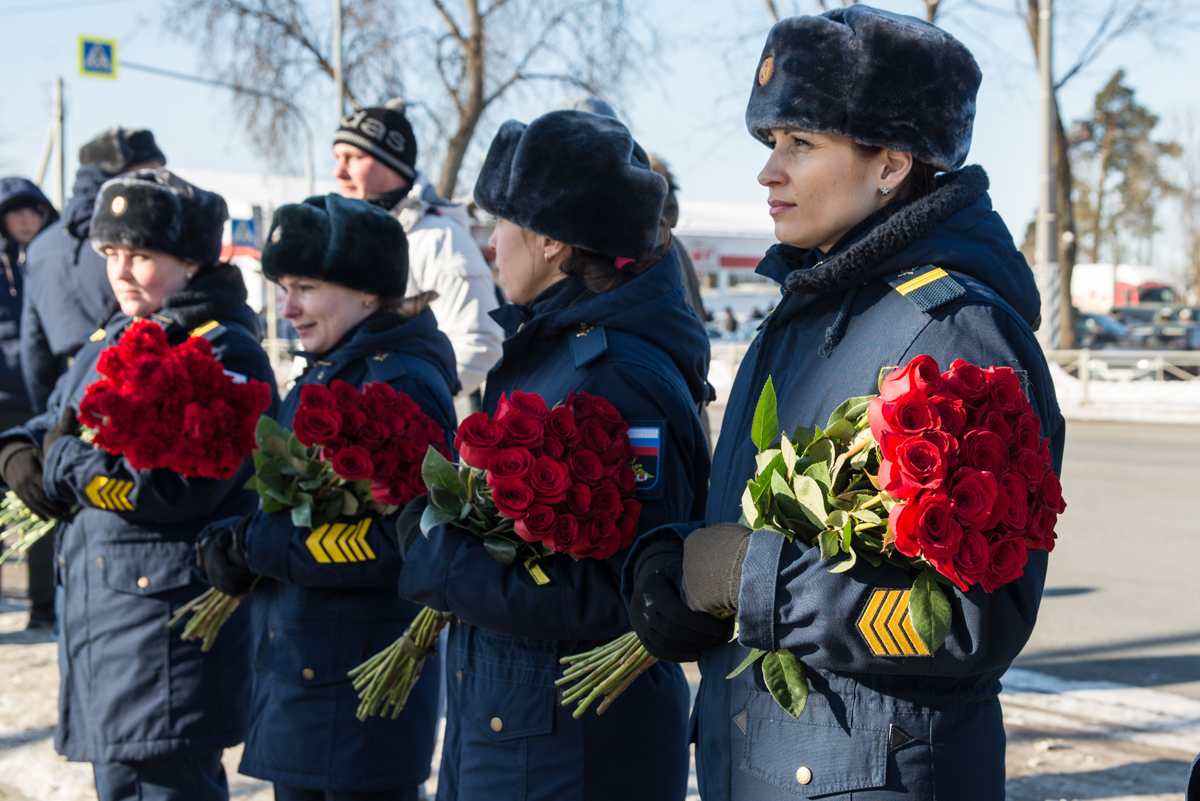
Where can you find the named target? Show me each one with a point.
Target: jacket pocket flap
(323, 651)
(146, 568)
(814, 756)
(507, 710)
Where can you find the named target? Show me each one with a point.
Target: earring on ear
(883, 190)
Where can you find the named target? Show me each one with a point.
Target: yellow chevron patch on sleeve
(110, 493)
(97, 335)
(885, 626)
(341, 542)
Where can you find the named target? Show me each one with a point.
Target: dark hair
(920, 181)
(599, 272)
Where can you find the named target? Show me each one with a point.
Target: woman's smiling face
(322, 312)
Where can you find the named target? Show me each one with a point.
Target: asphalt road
(1122, 601)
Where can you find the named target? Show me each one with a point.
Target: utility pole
(60, 193)
(337, 60)
(1046, 250)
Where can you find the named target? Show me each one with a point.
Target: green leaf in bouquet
(841, 431)
(830, 540)
(811, 497)
(271, 506)
(467, 508)
(464, 476)
(929, 610)
(500, 549)
(803, 437)
(302, 515)
(843, 566)
(883, 373)
(268, 473)
(285, 498)
(850, 409)
(821, 450)
(445, 498)
(819, 472)
(785, 679)
(296, 448)
(333, 506)
(837, 519)
(765, 427)
(437, 471)
(873, 558)
(785, 499)
(433, 517)
(268, 427)
(866, 516)
(789, 456)
(274, 445)
(749, 506)
(350, 504)
(765, 460)
(316, 469)
(259, 458)
(752, 657)
(286, 467)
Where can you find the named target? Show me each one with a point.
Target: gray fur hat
(158, 210)
(340, 240)
(576, 177)
(116, 150)
(878, 78)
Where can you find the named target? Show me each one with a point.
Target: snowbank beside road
(1128, 401)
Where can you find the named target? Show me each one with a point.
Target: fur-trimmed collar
(856, 264)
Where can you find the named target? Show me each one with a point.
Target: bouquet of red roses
(532, 482)
(158, 405)
(941, 474)
(351, 454)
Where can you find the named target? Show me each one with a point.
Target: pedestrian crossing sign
(243, 233)
(97, 57)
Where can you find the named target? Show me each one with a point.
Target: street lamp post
(1045, 250)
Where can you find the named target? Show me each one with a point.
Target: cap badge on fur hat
(277, 233)
(118, 205)
(764, 72)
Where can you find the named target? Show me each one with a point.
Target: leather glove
(21, 468)
(68, 426)
(408, 523)
(658, 614)
(712, 566)
(221, 554)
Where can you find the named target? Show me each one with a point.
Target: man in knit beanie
(376, 156)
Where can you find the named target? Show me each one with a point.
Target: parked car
(1097, 331)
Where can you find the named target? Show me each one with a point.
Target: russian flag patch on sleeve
(646, 437)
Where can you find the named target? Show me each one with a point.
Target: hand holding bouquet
(351, 454)
(533, 482)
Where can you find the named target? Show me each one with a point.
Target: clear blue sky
(687, 105)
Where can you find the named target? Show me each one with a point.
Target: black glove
(408, 524)
(658, 614)
(221, 554)
(21, 468)
(67, 426)
(712, 566)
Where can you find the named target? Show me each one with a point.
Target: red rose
(1004, 389)
(510, 463)
(598, 538)
(585, 467)
(991, 417)
(971, 560)
(606, 500)
(353, 463)
(626, 479)
(521, 431)
(551, 447)
(921, 374)
(384, 466)
(537, 524)
(977, 498)
(380, 394)
(580, 404)
(1016, 516)
(1050, 493)
(984, 450)
(344, 395)
(373, 435)
(927, 526)
(911, 413)
(527, 403)
(391, 493)
(593, 437)
(352, 421)
(967, 381)
(562, 534)
(478, 439)
(919, 465)
(619, 450)
(946, 443)
(1027, 431)
(1042, 523)
(1029, 466)
(627, 522)
(951, 412)
(316, 396)
(549, 479)
(579, 500)
(317, 426)
(608, 416)
(403, 450)
(1006, 563)
(560, 424)
(511, 496)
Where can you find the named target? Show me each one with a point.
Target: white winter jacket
(443, 257)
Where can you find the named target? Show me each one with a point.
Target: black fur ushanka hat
(576, 177)
(158, 210)
(341, 240)
(877, 78)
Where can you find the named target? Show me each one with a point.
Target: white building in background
(726, 242)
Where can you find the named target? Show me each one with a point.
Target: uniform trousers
(188, 777)
(285, 793)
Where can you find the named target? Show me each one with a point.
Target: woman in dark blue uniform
(344, 266)
(883, 259)
(150, 710)
(598, 307)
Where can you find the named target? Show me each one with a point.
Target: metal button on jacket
(143, 582)
(497, 724)
(803, 775)
(308, 673)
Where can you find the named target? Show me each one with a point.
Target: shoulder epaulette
(210, 330)
(929, 287)
(98, 335)
(587, 344)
